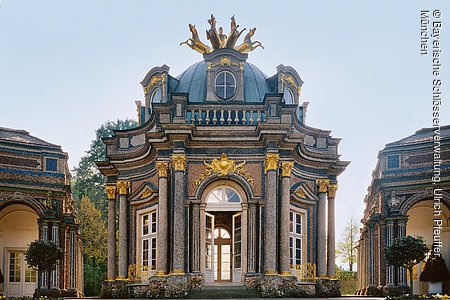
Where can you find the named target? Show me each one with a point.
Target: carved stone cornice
(123, 187)
(163, 168)
(271, 162)
(179, 162)
(323, 184)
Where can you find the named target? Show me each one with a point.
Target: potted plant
(435, 272)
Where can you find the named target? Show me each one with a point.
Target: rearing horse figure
(195, 43)
(248, 45)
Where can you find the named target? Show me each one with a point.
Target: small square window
(393, 161)
(51, 164)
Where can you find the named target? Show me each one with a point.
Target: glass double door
(21, 279)
(223, 251)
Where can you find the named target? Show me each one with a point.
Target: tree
(406, 252)
(43, 256)
(346, 249)
(94, 237)
(435, 270)
(88, 181)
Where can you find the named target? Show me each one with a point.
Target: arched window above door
(224, 198)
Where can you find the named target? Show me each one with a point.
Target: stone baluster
(215, 117)
(236, 117)
(123, 189)
(286, 168)
(229, 117)
(163, 220)
(222, 117)
(178, 259)
(322, 185)
(258, 116)
(270, 225)
(111, 196)
(192, 116)
(331, 242)
(207, 117)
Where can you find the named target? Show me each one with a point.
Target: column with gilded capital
(270, 225)
(111, 195)
(322, 185)
(286, 168)
(163, 220)
(331, 239)
(123, 188)
(178, 167)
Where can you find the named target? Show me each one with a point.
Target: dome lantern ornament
(219, 40)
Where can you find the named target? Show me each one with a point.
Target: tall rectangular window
(296, 236)
(149, 230)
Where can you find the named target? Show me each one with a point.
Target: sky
(66, 67)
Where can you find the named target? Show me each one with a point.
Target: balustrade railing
(224, 116)
(304, 272)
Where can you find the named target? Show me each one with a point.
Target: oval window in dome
(225, 85)
(156, 96)
(288, 96)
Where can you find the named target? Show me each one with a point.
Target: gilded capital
(179, 162)
(286, 168)
(163, 168)
(323, 184)
(332, 188)
(123, 187)
(110, 191)
(271, 162)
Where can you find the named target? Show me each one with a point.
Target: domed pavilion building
(222, 183)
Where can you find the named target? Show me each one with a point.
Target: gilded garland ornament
(219, 40)
(323, 184)
(223, 167)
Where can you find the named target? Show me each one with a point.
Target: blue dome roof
(193, 81)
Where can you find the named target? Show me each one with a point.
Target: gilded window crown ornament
(155, 79)
(163, 168)
(323, 184)
(289, 79)
(123, 187)
(271, 162)
(219, 40)
(179, 162)
(286, 168)
(147, 192)
(110, 191)
(222, 167)
(332, 189)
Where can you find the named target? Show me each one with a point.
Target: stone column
(401, 233)
(389, 240)
(178, 259)
(270, 224)
(44, 236)
(111, 195)
(73, 258)
(286, 168)
(122, 188)
(251, 265)
(163, 220)
(196, 238)
(371, 248)
(322, 185)
(331, 242)
(54, 275)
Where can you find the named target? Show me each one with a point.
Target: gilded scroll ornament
(271, 162)
(323, 184)
(179, 162)
(286, 168)
(147, 192)
(300, 192)
(155, 79)
(123, 187)
(223, 167)
(110, 191)
(219, 40)
(163, 168)
(289, 79)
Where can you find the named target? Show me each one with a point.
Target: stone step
(224, 292)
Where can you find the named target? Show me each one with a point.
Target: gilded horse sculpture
(248, 45)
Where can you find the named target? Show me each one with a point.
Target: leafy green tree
(88, 181)
(346, 248)
(406, 252)
(43, 256)
(94, 237)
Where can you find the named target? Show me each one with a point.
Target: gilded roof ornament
(223, 167)
(219, 40)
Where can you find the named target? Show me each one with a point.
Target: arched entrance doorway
(420, 223)
(18, 228)
(225, 233)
